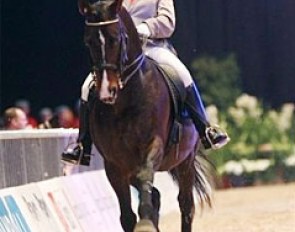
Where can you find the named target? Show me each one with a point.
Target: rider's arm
(163, 24)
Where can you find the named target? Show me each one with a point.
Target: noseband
(123, 68)
(99, 24)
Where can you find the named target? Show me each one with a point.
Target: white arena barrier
(82, 202)
(77, 203)
(34, 155)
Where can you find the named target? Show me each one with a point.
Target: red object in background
(32, 121)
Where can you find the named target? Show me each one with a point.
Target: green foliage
(262, 139)
(257, 134)
(218, 80)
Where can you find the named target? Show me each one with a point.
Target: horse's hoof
(145, 225)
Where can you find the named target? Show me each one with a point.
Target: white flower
(256, 165)
(288, 109)
(273, 115)
(249, 105)
(233, 167)
(290, 161)
(285, 119)
(247, 102)
(255, 113)
(238, 115)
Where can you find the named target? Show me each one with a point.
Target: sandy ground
(251, 209)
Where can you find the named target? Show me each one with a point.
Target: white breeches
(87, 85)
(165, 56)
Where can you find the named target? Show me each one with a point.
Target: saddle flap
(176, 88)
(178, 94)
(172, 77)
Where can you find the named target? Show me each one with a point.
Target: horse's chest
(124, 136)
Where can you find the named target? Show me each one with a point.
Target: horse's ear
(119, 5)
(116, 6)
(84, 7)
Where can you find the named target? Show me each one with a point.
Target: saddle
(177, 95)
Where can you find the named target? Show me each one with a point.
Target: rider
(154, 20)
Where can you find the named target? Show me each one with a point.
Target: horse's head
(106, 39)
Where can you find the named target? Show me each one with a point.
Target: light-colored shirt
(159, 15)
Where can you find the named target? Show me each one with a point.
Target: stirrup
(216, 144)
(76, 156)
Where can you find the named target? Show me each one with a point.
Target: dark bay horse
(131, 118)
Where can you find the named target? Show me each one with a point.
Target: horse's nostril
(113, 91)
(109, 100)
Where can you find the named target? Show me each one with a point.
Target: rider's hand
(143, 30)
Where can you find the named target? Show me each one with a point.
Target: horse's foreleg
(120, 185)
(148, 221)
(145, 210)
(184, 173)
(155, 201)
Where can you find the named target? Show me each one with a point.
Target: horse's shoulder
(172, 79)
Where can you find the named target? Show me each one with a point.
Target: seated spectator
(66, 118)
(76, 114)
(45, 114)
(15, 119)
(26, 107)
(47, 119)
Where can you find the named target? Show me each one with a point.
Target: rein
(139, 60)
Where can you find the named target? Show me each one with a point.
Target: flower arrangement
(262, 140)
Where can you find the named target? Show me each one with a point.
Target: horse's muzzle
(111, 98)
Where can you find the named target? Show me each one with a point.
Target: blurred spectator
(47, 119)
(1, 122)
(66, 117)
(15, 119)
(45, 114)
(53, 122)
(26, 107)
(76, 114)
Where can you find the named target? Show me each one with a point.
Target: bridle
(99, 24)
(123, 58)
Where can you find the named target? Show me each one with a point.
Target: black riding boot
(211, 137)
(81, 153)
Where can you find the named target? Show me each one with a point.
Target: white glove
(143, 30)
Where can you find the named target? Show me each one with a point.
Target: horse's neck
(134, 48)
(133, 95)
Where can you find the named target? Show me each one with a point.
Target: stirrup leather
(81, 153)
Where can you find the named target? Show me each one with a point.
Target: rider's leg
(212, 137)
(81, 153)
